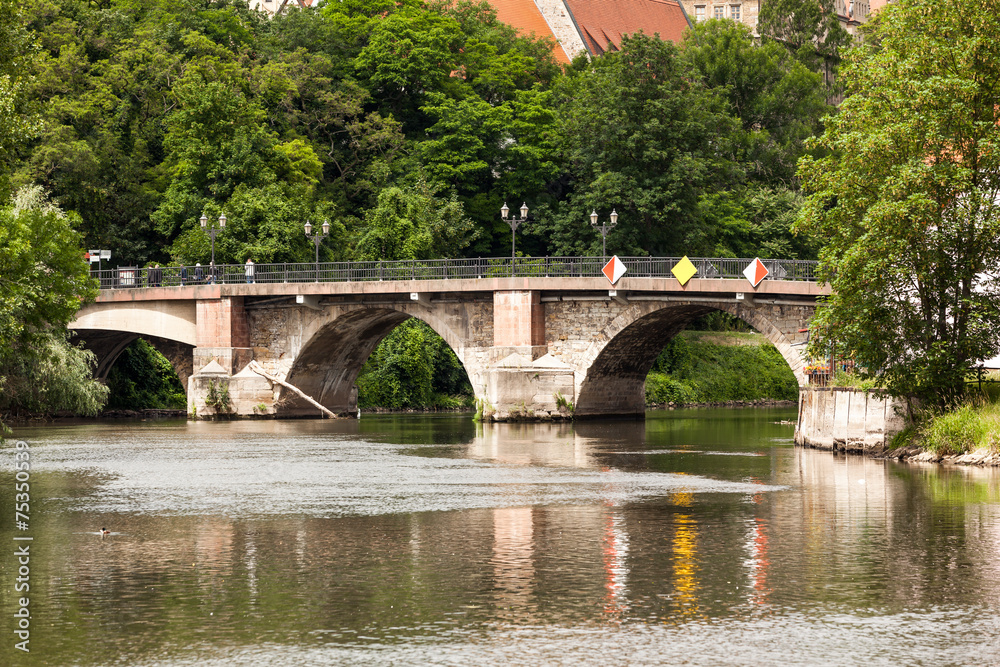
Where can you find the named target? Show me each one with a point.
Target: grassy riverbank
(717, 367)
(972, 427)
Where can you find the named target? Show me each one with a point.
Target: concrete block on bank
(835, 418)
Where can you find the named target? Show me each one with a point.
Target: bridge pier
(222, 352)
(520, 379)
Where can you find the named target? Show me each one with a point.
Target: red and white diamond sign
(614, 269)
(755, 271)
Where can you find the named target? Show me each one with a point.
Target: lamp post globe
(514, 223)
(212, 230)
(317, 238)
(604, 228)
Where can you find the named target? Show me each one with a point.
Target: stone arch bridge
(539, 339)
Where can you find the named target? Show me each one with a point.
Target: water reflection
(513, 569)
(615, 551)
(685, 552)
(333, 543)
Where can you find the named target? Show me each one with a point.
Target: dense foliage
(413, 368)
(697, 369)
(908, 200)
(810, 30)
(143, 378)
(407, 125)
(43, 282)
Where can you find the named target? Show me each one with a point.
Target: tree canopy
(907, 200)
(152, 113)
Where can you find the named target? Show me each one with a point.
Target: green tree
(143, 378)
(809, 29)
(751, 220)
(777, 100)
(15, 48)
(412, 367)
(399, 373)
(907, 200)
(642, 134)
(43, 282)
(414, 224)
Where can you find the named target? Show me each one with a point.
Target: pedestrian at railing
(154, 275)
(249, 270)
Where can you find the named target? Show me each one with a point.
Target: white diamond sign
(614, 269)
(755, 271)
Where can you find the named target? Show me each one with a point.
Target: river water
(699, 537)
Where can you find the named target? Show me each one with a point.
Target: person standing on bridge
(154, 275)
(249, 270)
(198, 273)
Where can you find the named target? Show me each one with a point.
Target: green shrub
(413, 367)
(691, 370)
(661, 388)
(218, 397)
(973, 426)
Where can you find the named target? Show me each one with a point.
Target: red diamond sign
(755, 271)
(614, 269)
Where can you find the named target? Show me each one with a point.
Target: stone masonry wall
(590, 352)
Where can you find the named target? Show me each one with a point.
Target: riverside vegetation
(907, 199)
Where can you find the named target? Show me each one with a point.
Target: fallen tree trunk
(256, 368)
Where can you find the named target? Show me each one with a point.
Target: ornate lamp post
(317, 238)
(514, 223)
(604, 228)
(212, 231)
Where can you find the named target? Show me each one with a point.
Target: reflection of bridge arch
(336, 346)
(617, 362)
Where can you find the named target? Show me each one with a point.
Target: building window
(735, 13)
(699, 13)
(720, 12)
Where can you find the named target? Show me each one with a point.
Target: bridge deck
(714, 286)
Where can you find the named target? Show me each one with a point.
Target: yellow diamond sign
(684, 270)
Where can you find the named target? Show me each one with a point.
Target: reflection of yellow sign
(684, 270)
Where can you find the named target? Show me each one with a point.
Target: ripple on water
(937, 637)
(340, 476)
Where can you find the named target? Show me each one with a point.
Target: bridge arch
(108, 328)
(617, 362)
(335, 346)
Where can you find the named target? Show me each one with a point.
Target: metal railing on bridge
(437, 269)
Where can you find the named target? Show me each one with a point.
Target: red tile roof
(524, 15)
(603, 23)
